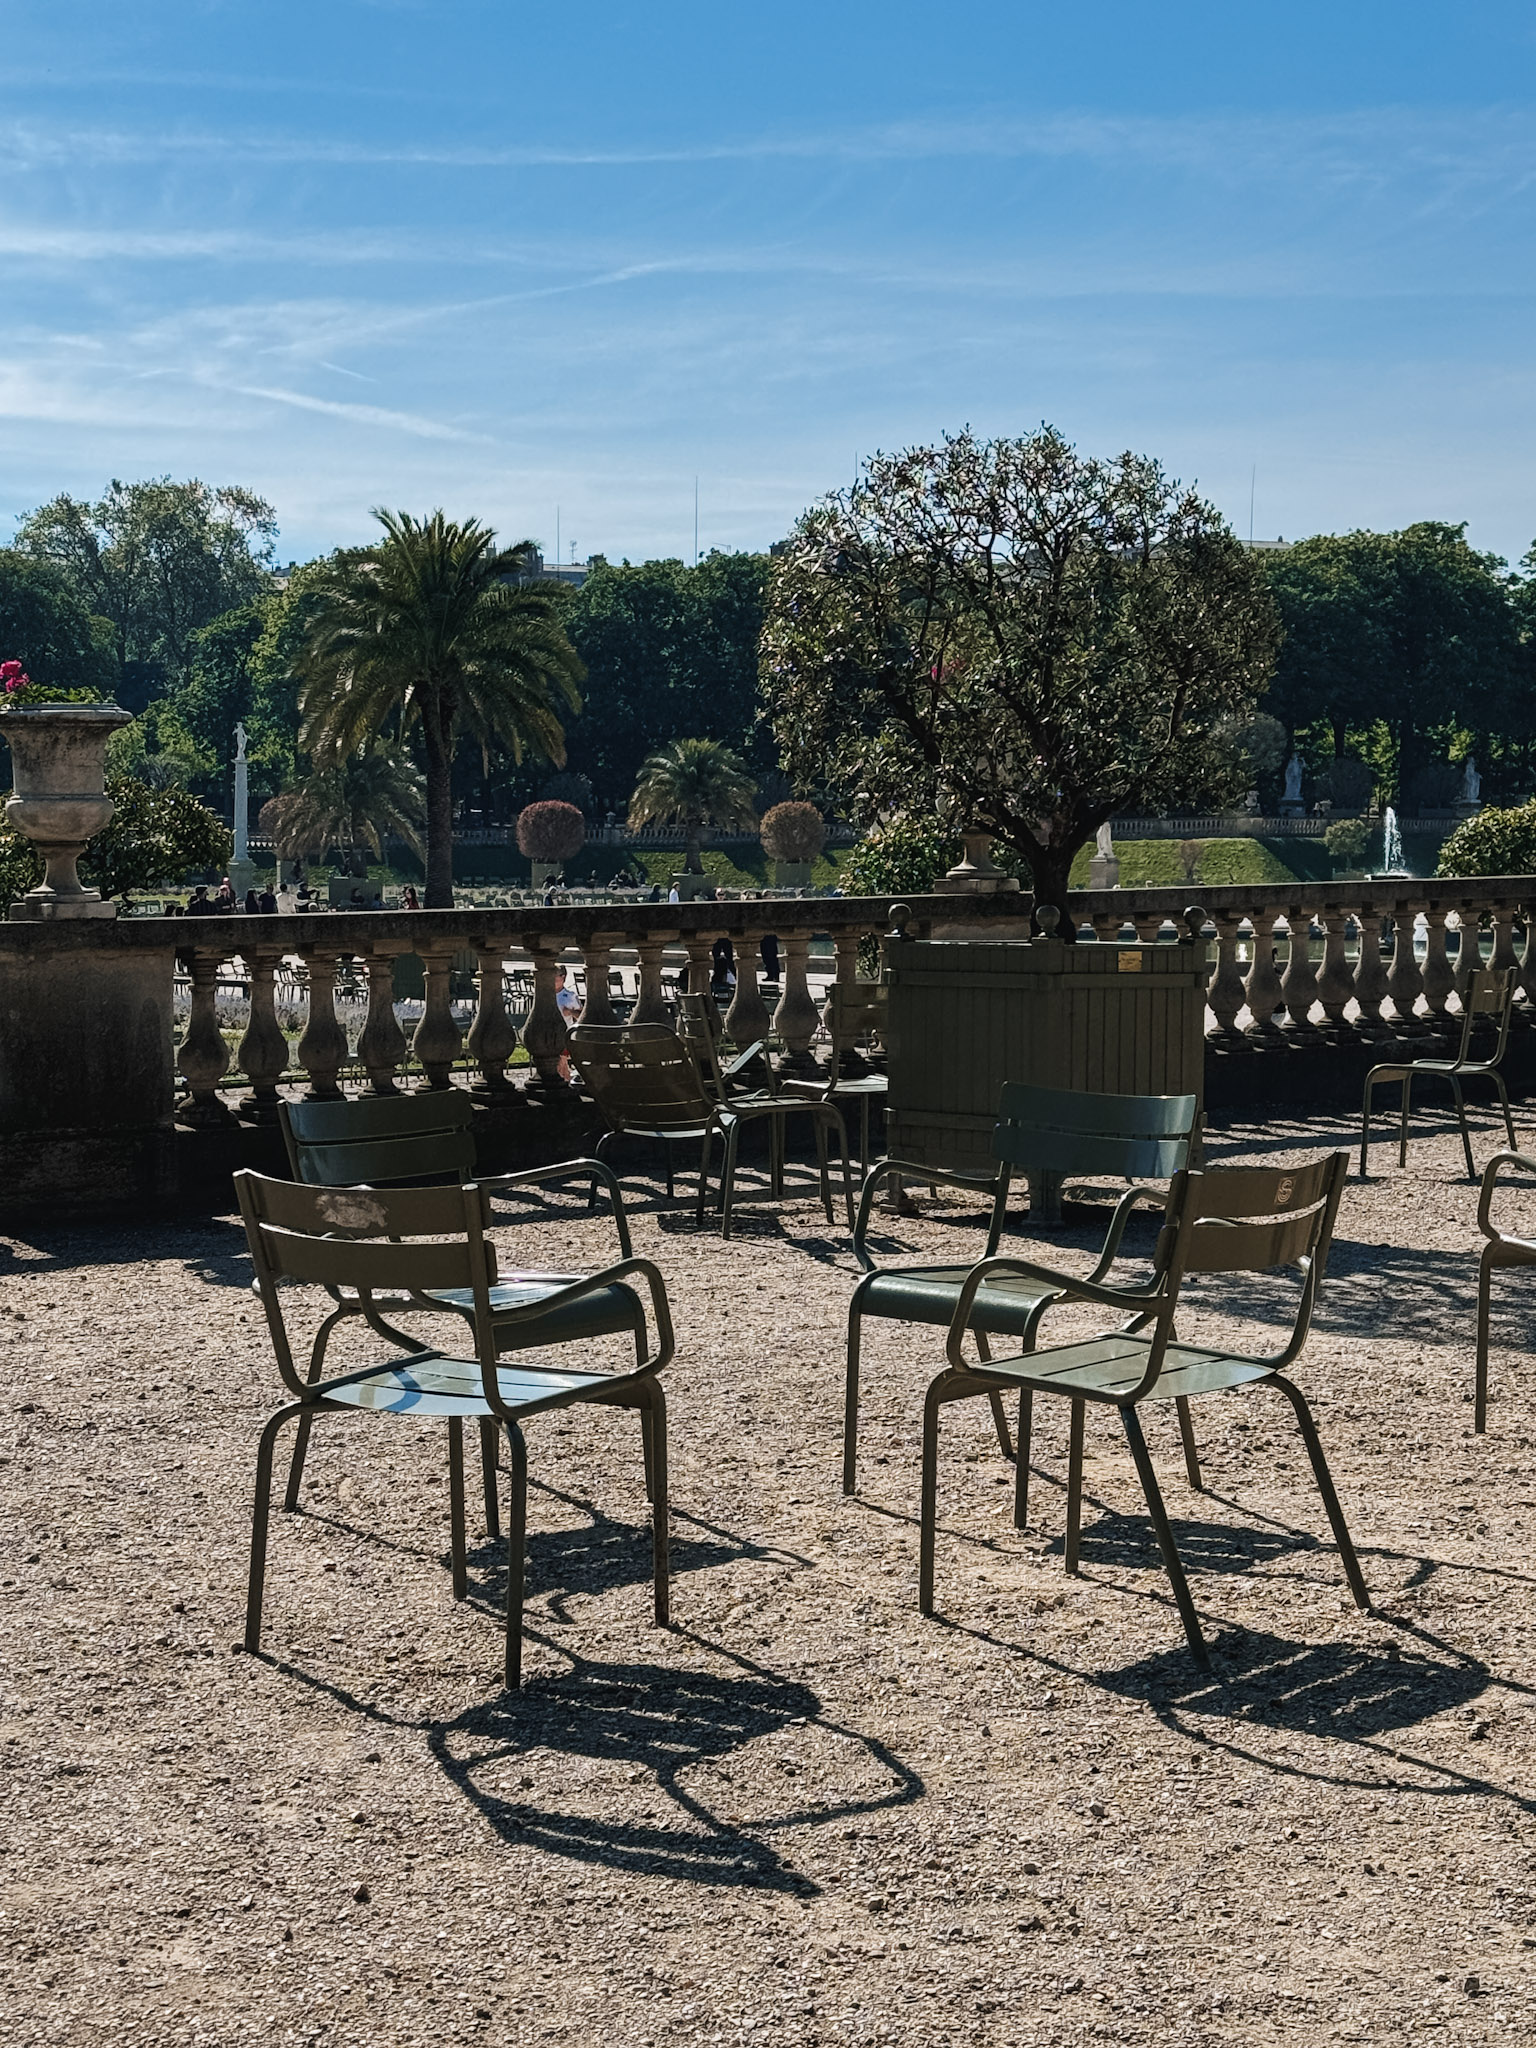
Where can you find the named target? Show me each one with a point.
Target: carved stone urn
(59, 799)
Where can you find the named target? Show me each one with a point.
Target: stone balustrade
(91, 1044)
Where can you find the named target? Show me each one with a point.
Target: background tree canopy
(47, 628)
(1025, 637)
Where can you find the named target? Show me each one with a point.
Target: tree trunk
(1051, 868)
(694, 863)
(439, 752)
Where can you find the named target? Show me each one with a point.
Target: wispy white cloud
(363, 415)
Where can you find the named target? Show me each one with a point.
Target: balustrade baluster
(1298, 985)
(1469, 951)
(437, 1038)
(491, 1039)
(597, 960)
(1502, 921)
(700, 955)
(652, 1005)
(1336, 982)
(1404, 979)
(1526, 985)
(1263, 986)
(1437, 975)
(846, 947)
(796, 1019)
(263, 1049)
(322, 1049)
(203, 1057)
(1106, 926)
(382, 1046)
(544, 1033)
(1371, 989)
(1225, 995)
(747, 1019)
(1148, 925)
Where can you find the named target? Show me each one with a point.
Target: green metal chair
(1039, 1130)
(1490, 993)
(384, 1140)
(856, 1018)
(432, 1242)
(1502, 1250)
(647, 1084)
(1231, 1220)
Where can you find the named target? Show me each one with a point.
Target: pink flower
(14, 676)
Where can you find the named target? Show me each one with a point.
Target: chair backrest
(380, 1138)
(1066, 1130)
(1248, 1219)
(368, 1239)
(641, 1076)
(1490, 993)
(856, 1010)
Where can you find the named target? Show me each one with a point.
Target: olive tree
(1018, 637)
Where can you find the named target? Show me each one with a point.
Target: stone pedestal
(243, 875)
(1104, 873)
(977, 874)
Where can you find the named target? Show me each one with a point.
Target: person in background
(266, 902)
(409, 900)
(672, 895)
(722, 969)
(303, 901)
(224, 903)
(198, 904)
(570, 1010)
(252, 903)
(769, 948)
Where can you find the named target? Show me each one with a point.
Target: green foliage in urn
(1031, 639)
(694, 783)
(155, 835)
(432, 626)
(793, 832)
(1495, 842)
(550, 831)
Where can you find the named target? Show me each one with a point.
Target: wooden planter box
(966, 1017)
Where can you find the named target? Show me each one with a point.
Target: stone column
(1371, 989)
(382, 1044)
(1438, 975)
(1336, 983)
(1225, 994)
(1263, 988)
(203, 1057)
(1502, 919)
(1298, 985)
(437, 1038)
(544, 1033)
(699, 946)
(796, 1019)
(491, 1040)
(652, 1005)
(323, 1046)
(747, 1020)
(597, 959)
(1404, 980)
(263, 1049)
(1469, 954)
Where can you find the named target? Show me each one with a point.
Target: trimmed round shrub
(1495, 842)
(1346, 840)
(550, 831)
(793, 831)
(903, 858)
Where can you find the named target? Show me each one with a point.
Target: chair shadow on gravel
(1119, 1540)
(655, 1723)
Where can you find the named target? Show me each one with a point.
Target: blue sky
(457, 254)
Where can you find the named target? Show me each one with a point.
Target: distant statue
(239, 743)
(1293, 780)
(1102, 846)
(1471, 783)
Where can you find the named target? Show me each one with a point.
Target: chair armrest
(1059, 1285)
(1122, 1216)
(591, 1283)
(1525, 1163)
(987, 1183)
(744, 1059)
(569, 1169)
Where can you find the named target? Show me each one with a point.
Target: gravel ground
(802, 1815)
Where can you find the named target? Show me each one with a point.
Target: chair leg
(1163, 1529)
(728, 1181)
(1320, 1472)
(995, 1400)
(260, 1513)
(819, 1130)
(301, 1435)
(1365, 1128)
(656, 1415)
(592, 1190)
(1480, 1390)
(1402, 1122)
(666, 1148)
(777, 1146)
(488, 1475)
(851, 1404)
(1509, 1122)
(517, 1543)
(842, 1139)
(456, 1507)
(1466, 1135)
(1021, 1458)
(1075, 1486)
(928, 1507)
(1187, 1438)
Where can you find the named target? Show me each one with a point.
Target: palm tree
(700, 782)
(355, 804)
(433, 623)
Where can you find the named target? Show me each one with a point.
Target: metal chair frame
(855, 1010)
(361, 1239)
(1490, 993)
(1044, 1130)
(1501, 1251)
(1232, 1219)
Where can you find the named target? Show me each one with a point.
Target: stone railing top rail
(405, 930)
